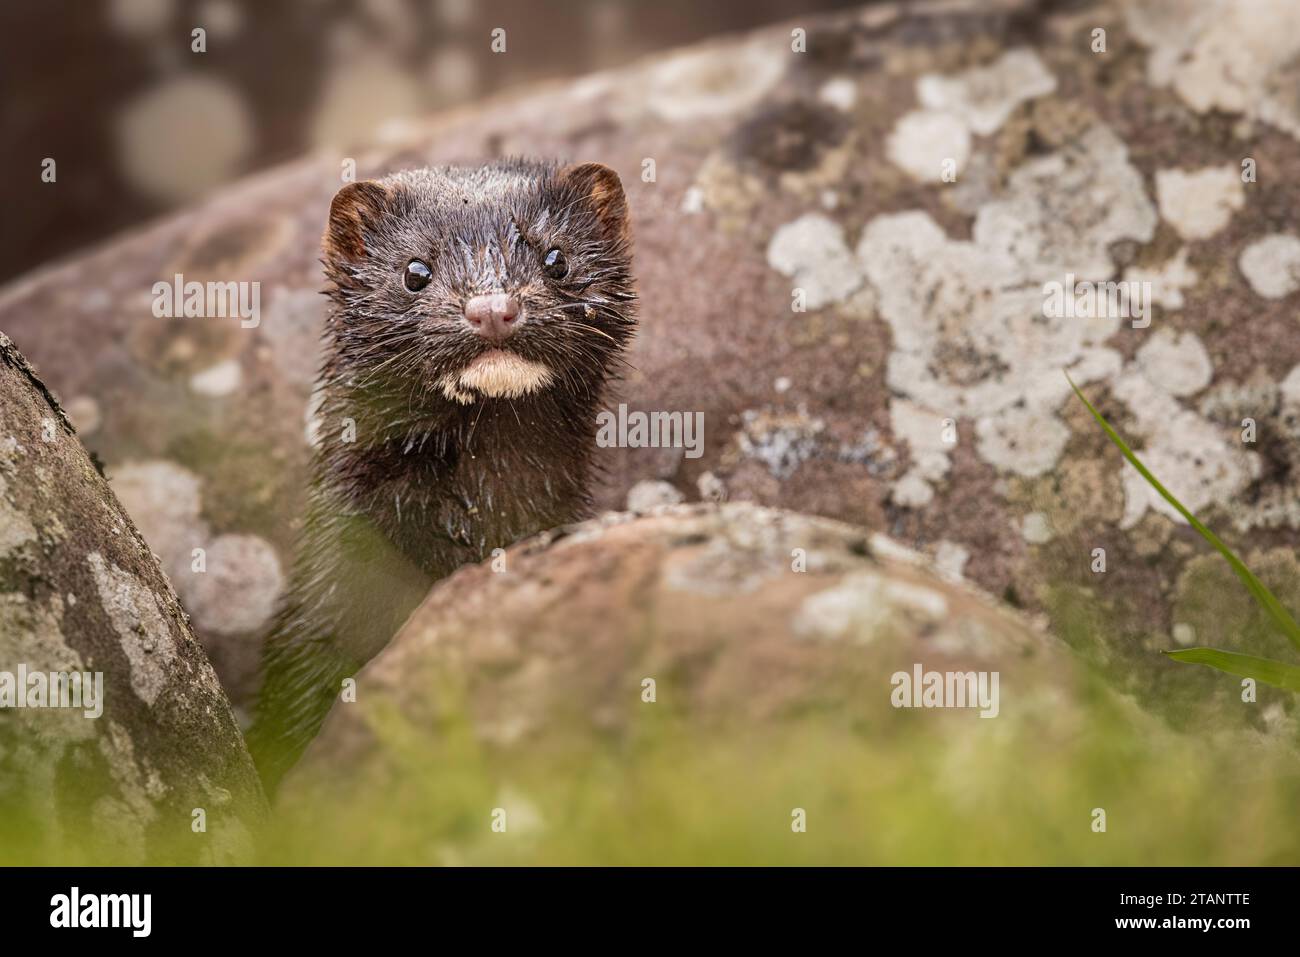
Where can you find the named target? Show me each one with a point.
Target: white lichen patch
(140, 624)
(853, 609)
(933, 144)
(971, 338)
(711, 488)
(1290, 388)
(16, 529)
(221, 379)
(1199, 203)
(840, 92)
(969, 332)
(1167, 281)
(1024, 440)
(1176, 362)
(950, 560)
(1193, 458)
(1272, 265)
(33, 633)
(890, 549)
(699, 84)
(812, 251)
(1035, 529)
(733, 562)
(924, 432)
(1062, 211)
(864, 605)
(912, 491)
(1224, 54)
(239, 587)
(915, 601)
(985, 97)
(649, 494)
(927, 143)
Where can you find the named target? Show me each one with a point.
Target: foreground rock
(117, 779)
(673, 689)
(737, 613)
(914, 181)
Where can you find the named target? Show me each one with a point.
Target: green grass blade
(1281, 617)
(1279, 674)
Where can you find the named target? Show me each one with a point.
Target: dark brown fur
(431, 482)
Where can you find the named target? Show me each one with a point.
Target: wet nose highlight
(493, 317)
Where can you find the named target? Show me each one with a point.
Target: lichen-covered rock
(738, 612)
(717, 618)
(843, 250)
(679, 687)
(140, 759)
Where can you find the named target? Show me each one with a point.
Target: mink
(476, 319)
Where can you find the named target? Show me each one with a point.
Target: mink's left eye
(554, 264)
(417, 275)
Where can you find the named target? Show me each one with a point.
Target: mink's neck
(449, 483)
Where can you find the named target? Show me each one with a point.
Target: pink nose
(493, 317)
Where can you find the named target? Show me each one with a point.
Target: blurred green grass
(920, 787)
(927, 790)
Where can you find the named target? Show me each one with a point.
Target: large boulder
(695, 684)
(146, 739)
(913, 177)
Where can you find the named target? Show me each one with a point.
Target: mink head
(480, 284)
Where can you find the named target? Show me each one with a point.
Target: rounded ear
(354, 208)
(604, 192)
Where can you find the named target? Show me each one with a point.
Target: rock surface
(739, 612)
(673, 687)
(913, 182)
(117, 780)
(732, 620)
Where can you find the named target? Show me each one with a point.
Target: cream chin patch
(498, 374)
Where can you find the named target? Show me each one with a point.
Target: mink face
(470, 285)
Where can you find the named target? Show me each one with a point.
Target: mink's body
(476, 317)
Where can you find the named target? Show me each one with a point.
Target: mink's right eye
(417, 276)
(554, 264)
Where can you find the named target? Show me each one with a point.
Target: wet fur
(438, 477)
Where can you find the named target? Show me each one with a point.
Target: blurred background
(139, 124)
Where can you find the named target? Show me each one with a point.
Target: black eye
(554, 264)
(417, 275)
